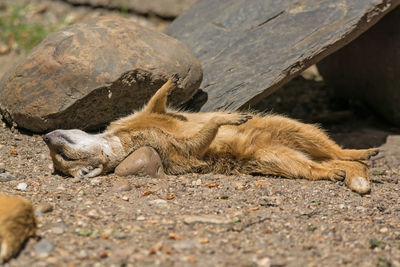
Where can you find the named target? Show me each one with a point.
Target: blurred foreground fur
(17, 224)
(219, 142)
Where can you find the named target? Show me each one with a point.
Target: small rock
(57, 230)
(341, 206)
(2, 170)
(93, 214)
(95, 181)
(126, 198)
(197, 182)
(264, 262)
(384, 230)
(159, 203)
(238, 185)
(60, 188)
(82, 254)
(76, 180)
(22, 186)
(43, 247)
(140, 218)
(6, 177)
(186, 244)
(108, 231)
(45, 207)
(211, 219)
(121, 186)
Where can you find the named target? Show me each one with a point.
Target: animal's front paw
(232, 118)
(337, 174)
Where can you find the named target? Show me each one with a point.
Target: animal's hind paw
(373, 152)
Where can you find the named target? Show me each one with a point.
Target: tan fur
(219, 142)
(17, 223)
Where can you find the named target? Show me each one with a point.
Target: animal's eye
(65, 157)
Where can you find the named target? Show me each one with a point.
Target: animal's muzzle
(55, 137)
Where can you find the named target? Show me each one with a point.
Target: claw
(175, 78)
(244, 118)
(373, 153)
(341, 176)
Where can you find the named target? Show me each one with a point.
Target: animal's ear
(86, 173)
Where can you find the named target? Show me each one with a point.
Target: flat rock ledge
(248, 51)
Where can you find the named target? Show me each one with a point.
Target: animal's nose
(46, 138)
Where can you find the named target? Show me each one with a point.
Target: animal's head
(77, 153)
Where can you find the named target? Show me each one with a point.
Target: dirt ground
(215, 220)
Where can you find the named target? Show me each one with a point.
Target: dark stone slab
(368, 69)
(248, 49)
(89, 74)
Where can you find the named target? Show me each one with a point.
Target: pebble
(121, 186)
(140, 218)
(57, 230)
(93, 214)
(82, 254)
(159, 203)
(186, 244)
(43, 247)
(384, 230)
(22, 186)
(197, 182)
(95, 181)
(341, 206)
(6, 177)
(264, 262)
(76, 180)
(2, 165)
(211, 219)
(61, 188)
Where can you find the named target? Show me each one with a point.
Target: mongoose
(219, 142)
(17, 223)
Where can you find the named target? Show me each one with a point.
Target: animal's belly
(240, 141)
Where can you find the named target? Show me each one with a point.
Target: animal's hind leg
(158, 103)
(286, 162)
(315, 142)
(356, 174)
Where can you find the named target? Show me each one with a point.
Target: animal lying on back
(219, 142)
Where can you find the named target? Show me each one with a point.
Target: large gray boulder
(89, 74)
(368, 69)
(248, 49)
